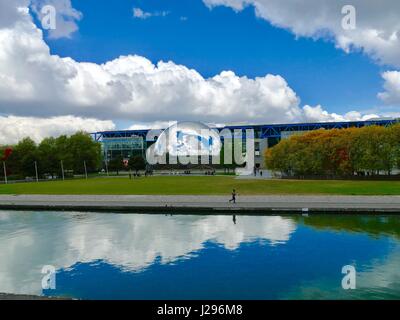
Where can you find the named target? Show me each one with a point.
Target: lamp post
(5, 172)
(107, 167)
(36, 171)
(62, 170)
(84, 164)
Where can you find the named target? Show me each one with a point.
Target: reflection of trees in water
(372, 225)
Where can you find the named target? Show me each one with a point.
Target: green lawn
(207, 185)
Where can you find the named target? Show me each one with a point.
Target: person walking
(233, 196)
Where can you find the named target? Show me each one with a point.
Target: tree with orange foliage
(337, 152)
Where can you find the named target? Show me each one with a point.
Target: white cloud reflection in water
(28, 241)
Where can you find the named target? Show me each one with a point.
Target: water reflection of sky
(193, 257)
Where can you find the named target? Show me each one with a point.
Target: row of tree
(135, 163)
(72, 153)
(339, 152)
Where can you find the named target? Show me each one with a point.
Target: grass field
(210, 185)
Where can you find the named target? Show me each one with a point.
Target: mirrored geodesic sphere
(186, 139)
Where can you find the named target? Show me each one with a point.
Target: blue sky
(213, 40)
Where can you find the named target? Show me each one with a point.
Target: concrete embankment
(204, 204)
(10, 296)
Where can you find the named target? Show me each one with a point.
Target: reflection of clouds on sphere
(187, 139)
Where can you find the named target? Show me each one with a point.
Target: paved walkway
(205, 204)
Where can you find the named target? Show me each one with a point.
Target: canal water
(142, 256)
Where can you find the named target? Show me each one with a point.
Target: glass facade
(122, 146)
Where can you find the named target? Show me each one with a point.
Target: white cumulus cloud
(9, 11)
(391, 95)
(377, 31)
(13, 129)
(318, 114)
(66, 17)
(36, 84)
(140, 14)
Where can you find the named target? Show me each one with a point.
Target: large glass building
(136, 142)
(122, 146)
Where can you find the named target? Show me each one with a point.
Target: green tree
(137, 163)
(374, 149)
(82, 148)
(49, 157)
(63, 152)
(395, 142)
(116, 164)
(278, 158)
(22, 160)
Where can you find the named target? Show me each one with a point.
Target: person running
(233, 196)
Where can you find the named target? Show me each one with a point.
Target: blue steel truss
(98, 136)
(262, 131)
(274, 131)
